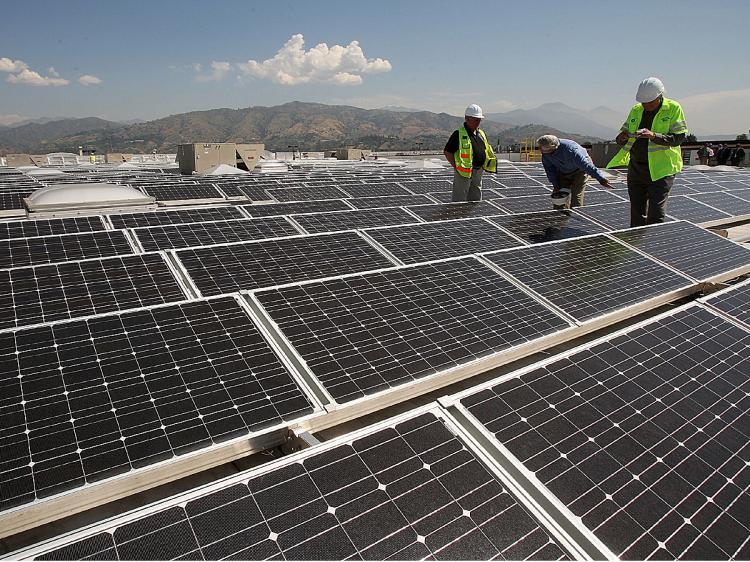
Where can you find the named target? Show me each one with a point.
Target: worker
(650, 140)
(566, 163)
(470, 155)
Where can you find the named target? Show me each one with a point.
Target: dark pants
(576, 183)
(648, 199)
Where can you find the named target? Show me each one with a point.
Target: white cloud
(9, 65)
(292, 65)
(717, 112)
(53, 72)
(220, 70)
(31, 78)
(89, 80)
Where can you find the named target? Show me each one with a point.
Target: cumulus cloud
(31, 78)
(9, 65)
(89, 80)
(293, 65)
(220, 70)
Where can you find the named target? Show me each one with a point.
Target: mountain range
(311, 126)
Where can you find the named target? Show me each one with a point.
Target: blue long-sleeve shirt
(569, 157)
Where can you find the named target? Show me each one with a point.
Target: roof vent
(78, 198)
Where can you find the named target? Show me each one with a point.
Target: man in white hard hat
(650, 139)
(566, 164)
(470, 154)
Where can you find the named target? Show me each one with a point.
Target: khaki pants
(467, 189)
(576, 182)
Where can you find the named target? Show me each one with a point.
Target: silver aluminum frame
(707, 302)
(52, 508)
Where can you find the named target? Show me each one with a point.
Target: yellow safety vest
(464, 155)
(662, 160)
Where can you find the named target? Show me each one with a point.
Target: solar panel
(157, 218)
(293, 208)
(690, 249)
(224, 269)
(589, 277)
(87, 400)
(545, 226)
(183, 192)
(406, 492)
(456, 211)
(428, 186)
(684, 208)
(254, 192)
(516, 181)
(724, 201)
(45, 293)
(21, 252)
(526, 203)
(432, 241)
(332, 222)
(640, 435)
(13, 201)
(389, 201)
(156, 238)
(375, 190)
(368, 333)
(734, 301)
(46, 227)
(313, 193)
(597, 196)
(613, 215)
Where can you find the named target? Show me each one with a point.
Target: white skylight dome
(72, 196)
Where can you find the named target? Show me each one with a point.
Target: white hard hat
(560, 197)
(648, 90)
(474, 111)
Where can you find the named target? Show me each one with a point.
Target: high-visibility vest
(464, 155)
(662, 160)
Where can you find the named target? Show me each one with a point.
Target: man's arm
(551, 171)
(582, 160)
(451, 158)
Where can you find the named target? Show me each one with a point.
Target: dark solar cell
(224, 269)
(428, 186)
(545, 226)
(724, 201)
(180, 216)
(332, 222)
(589, 277)
(689, 249)
(375, 190)
(87, 400)
(614, 215)
(526, 203)
(21, 252)
(640, 436)
(368, 333)
(218, 232)
(431, 241)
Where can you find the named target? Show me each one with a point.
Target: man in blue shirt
(566, 163)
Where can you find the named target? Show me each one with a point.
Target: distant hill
(600, 122)
(45, 137)
(311, 126)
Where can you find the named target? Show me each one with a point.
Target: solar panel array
(363, 334)
(120, 371)
(91, 399)
(734, 302)
(412, 491)
(641, 436)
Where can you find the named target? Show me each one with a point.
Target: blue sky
(151, 59)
